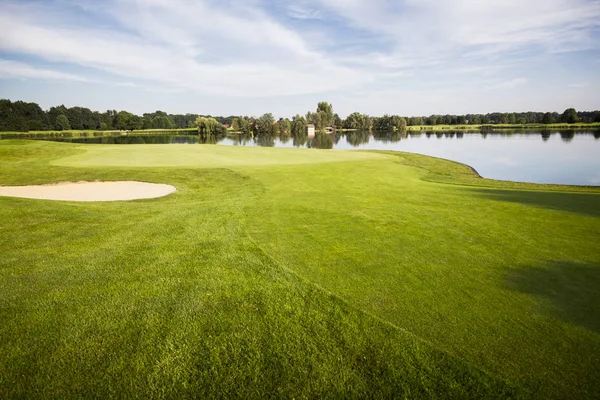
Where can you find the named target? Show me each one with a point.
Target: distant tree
(122, 120)
(387, 123)
(597, 116)
(325, 110)
(547, 118)
(135, 122)
(244, 125)
(337, 121)
(317, 120)
(569, 116)
(264, 124)
(284, 126)
(146, 123)
(162, 122)
(474, 120)
(235, 125)
(209, 126)
(298, 127)
(400, 125)
(358, 121)
(415, 121)
(62, 122)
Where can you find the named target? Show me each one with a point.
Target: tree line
(22, 116)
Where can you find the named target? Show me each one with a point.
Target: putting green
(203, 156)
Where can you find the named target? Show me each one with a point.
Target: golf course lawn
(294, 273)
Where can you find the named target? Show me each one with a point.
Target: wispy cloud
(15, 69)
(244, 55)
(300, 11)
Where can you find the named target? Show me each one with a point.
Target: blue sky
(222, 57)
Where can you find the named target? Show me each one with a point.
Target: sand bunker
(90, 191)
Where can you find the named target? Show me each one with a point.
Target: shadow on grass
(582, 203)
(572, 290)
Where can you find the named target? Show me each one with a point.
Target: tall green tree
(325, 110)
(547, 118)
(62, 122)
(337, 121)
(357, 120)
(317, 120)
(245, 127)
(209, 126)
(298, 126)
(569, 116)
(235, 125)
(264, 124)
(284, 126)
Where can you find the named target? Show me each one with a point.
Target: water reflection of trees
(567, 136)
(210, 138)
(284, 138)
(389, 136)
(356, 138)
(241, 139)
(265, 140)
(299, 138)
(321, 141)
(337, 136)
(546, 135)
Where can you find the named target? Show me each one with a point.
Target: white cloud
(15, 69)
(483, 28)
(301, 11)
(249, 55)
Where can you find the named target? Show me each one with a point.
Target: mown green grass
(294, 273)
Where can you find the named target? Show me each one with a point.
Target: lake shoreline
(421, 128)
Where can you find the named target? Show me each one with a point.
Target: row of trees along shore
(23, 117)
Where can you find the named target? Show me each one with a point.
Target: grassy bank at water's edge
(294, 273)
(92, 133)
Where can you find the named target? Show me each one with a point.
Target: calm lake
(565, 157)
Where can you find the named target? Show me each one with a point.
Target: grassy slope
(505, 279)
(288, 274)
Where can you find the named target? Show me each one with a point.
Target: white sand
(90, 191)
